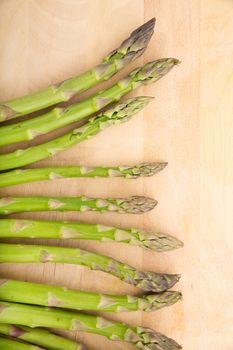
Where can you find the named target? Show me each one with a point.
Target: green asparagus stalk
(61, 116)
(12, 344)
(130, 205)
(38, 316)
(16, 228)
(130, 49)
(57, 296)
(21, 176)
(39, 337)
(148, 281)
(119, 114)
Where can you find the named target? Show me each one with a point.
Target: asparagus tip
(132, 47)
(141, 36)
(154, 70)
(147, 169)
(155, 341)
(123, 111)
(155, 282)
(154, 302)
(159, 242)
(172, 279)
(137, 204)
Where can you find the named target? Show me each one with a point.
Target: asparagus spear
(130, 49)
(40, 337)
(16, 228)
(48, 295)
(148, 281)
(38, 316)
(116, 115)
(130, 205)
(12, 344)
(61, 116)
(21, 176)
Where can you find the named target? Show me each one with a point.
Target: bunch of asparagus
(26, 306)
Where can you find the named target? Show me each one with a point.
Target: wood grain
(189, 125)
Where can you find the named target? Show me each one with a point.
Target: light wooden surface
(189, 125)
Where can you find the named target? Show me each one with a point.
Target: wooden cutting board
(189, 124)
